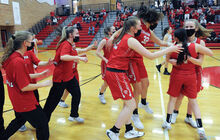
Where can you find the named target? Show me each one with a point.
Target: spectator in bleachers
(78, 26)
(203, 22)
(103, 11)
(84, 18)
(199, 10)
(195, 15)
(181, 14)
(177, 24)
(91, 30)
(94, 17)
(187, 12)
(88, 19)
(97, 23)
(101, 16)
(54, 21)
(210, 18)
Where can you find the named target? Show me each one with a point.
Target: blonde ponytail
(65, 33)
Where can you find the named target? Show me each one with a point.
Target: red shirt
(143, 38)
(181, 11)
(18, 78)
(63, 69)
(188, 67)
(106, 51)
(187, 11)
(31, 59)
(121, 54)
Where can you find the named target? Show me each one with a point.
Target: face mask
(190, 32)
(30, 47)
(152, 27)
(76, 39)
(138, 33)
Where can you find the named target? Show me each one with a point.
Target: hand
(84, 59)
(95, 43)
(83, 55)
(106, 61)
(173, 61)
(176, 48)
(50, 61)
(46, 83)
(45, 73)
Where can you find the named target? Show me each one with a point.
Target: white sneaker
(201, 133)
(146, 108)
(133, 134)
(112, 135)
(102, 99)
(191, 122)
(137, 123)
(166, 125)
(22, 128)
(63, 104)
(174, 116)
(77, 119)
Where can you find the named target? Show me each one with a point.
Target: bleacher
(85, 39)
(49, 29)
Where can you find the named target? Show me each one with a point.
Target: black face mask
(76, 39)
(30, 47)
(190, 32)
(152, 27)
(138, 33)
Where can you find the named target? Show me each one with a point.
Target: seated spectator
(94, 17)
(84, 18)
(103, 11)
(97, 23)
(54, 21)
(195, 15)
(78, 26)
(49, 22)
(212, 38)
(91, 30)
(78, 14)
(210, 18)
(101, 16)
(203, 22)
(199, 10)
(88, 19)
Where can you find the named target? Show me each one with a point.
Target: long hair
(202, 32)
(165, 31)
(65, 33)
(149, 15)
(182, 36)
(107, 30)
(130, 22)
(15, 43)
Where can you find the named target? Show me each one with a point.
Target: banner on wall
(16, 13)
(4, 1)
(50, 2)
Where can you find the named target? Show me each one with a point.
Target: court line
(162, 103)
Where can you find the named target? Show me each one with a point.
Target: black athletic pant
(2, 101)
(36, 94)
(36, 118)
(56, 92)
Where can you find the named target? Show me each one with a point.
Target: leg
(176, 108)
(62, 100)
(38, 119)
(102, 91)
(166, 68)
(74, 89)
(53, 99)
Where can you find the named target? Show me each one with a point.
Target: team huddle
(122, 68)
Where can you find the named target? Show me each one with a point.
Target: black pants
(36, 94)
(56, 93)
(36, 118)
(2, 101)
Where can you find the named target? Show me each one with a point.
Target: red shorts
(185, 84)
(137, 71)
(103, 69)
(199, 78)
(119, 85)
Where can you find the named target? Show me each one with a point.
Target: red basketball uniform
(75, 63)
(183, 77)
(137, 70)
(106, 52)
(199, 72)
(119, 60)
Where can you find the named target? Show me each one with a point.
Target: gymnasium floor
(99, 117)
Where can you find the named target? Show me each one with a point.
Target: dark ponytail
(182, 36)
(165, 31)
(107, 30)
(130, 22)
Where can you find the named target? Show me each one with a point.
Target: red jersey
(18, 78)
(143, 38)
(106, 51)
(121, 54)
(186, 67)
(30, 59)
(63, 71)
